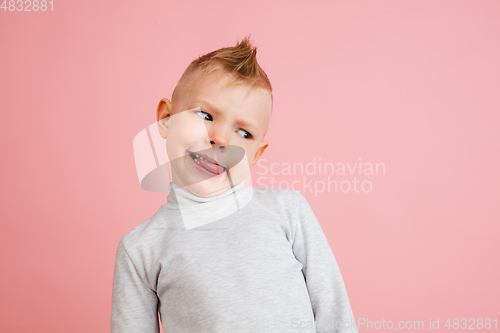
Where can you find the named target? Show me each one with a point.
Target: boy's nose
(220, 147)
(218, 137)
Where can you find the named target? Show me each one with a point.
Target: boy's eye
(244, 134)
(207, 116)
(204, 115)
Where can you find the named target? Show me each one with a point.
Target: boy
(219, 256)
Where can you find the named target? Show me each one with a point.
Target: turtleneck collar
(197, 211)
(188, 198)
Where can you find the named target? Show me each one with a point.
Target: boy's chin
(205, 186)
(208, 187)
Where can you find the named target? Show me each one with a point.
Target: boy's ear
(260, 151)
(163, 113)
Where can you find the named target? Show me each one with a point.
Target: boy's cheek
(186, 135)
(241, 171)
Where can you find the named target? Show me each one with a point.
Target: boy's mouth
(207, 163)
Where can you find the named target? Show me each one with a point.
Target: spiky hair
(240, 61)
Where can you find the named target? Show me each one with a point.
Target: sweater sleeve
(330, 304)
(134, 304)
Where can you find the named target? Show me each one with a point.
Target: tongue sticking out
(226, 158)
(214, 168)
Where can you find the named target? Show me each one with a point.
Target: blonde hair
(240, 61)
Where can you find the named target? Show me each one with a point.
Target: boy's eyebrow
(241, 122)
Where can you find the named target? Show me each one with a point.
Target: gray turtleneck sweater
(247, 260)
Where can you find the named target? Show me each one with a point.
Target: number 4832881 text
(27, 5)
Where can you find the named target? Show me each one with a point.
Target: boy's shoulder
(146, 232)
(277, 200)
(278, 195)
(280, 202)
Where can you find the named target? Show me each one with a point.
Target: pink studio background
(411, 84)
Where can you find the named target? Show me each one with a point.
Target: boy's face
(218, 120)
